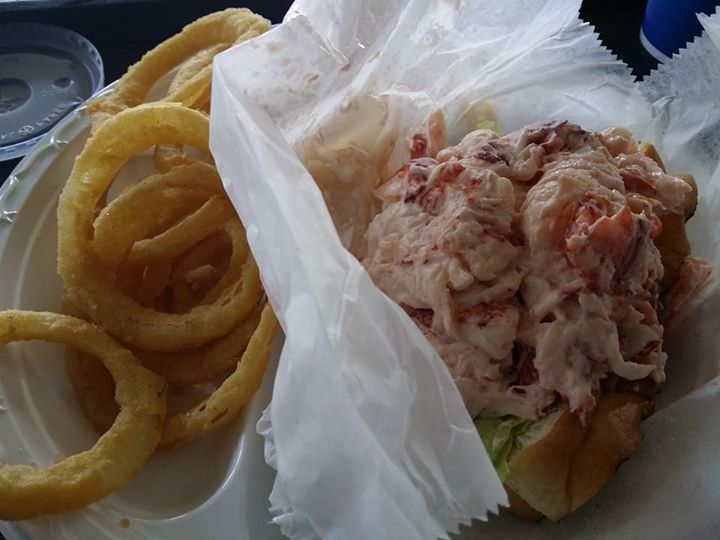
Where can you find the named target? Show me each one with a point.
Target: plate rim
(13, 196)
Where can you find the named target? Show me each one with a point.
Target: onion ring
(94, 388)
(196, 63)
(117, 456)
(187, 289)
(186, 233)
(183, 298)
(209, 251)
(120, 225)
(173, 194)
(230, 26)
(180, 369)
(227, 401)
(215, 359)
(168, 156)
(154, 281)
(214, 250)
(240, 250)
(116, 141)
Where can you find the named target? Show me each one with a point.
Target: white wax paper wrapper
(366, 429)
(366, 421)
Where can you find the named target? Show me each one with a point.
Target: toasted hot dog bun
(520, 508)
(559, 463)
(612, 436)
(540, 465)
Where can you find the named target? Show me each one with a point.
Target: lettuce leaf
(499, 435)
(489, 124)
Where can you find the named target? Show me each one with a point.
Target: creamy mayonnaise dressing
(528, 262)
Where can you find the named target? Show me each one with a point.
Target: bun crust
(522, 509)
(539, 470)
(558, 473)
(613, 435)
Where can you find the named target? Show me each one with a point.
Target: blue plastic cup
(670, 24)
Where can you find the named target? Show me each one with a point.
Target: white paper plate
(216, 488)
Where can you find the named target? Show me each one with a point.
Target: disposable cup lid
(45, 72)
